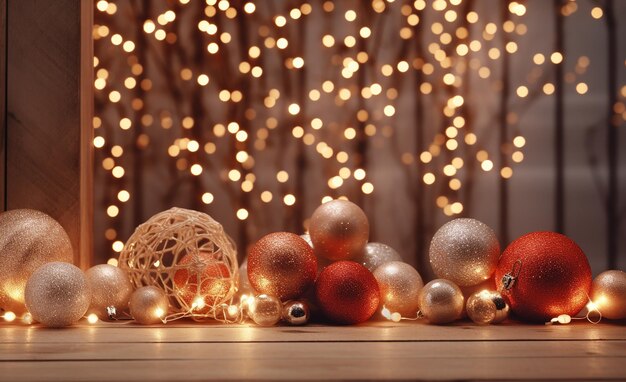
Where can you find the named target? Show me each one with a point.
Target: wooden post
(47, 127)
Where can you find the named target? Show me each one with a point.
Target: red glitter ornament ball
(282, 265)
(203, 282)
(552, 273)
(347, 292)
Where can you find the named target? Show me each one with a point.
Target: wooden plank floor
(411, 350)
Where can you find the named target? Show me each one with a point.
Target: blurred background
(255, 112)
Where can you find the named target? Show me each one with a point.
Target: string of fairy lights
(241, 44)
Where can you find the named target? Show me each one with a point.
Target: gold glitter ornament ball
(376, 254)
(608, 293)
(399, 285)
(148, 305)
(339, 230)
(265, 310)
(110, 286)
(487, 307)
(57, 294)
(441, 301)
(28, 240)
(283, 265)
(464, 251)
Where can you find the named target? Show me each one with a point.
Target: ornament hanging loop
(509, 279)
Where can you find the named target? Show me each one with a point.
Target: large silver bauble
(464, 251)
(377, 254)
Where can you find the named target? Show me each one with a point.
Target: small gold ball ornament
(487, 307)
(110, 287)
(608, 293)
(28, 240)
(57, 294)
(148, 305)
(400, 285)
(339, 230)
(264, 310)
(296, 312)
(441, 301)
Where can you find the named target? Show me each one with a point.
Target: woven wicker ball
(154, 255)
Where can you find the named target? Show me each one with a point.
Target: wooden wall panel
(48, 126)
(3, 92)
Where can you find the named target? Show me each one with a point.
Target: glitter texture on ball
(399, 285)
(28, 240)
(464, 251)
(376, 254)
(553, 276)
(57, 294)
(347, 293)
(282, 264)
(110, 286)
(339, 230)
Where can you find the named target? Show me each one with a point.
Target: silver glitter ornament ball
(487, 307)
(57, 294)
(296, 312)
(399, 285)
(377, 254)
(110, 286)
(464, 251)
(441, 301)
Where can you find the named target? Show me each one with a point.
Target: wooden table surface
(406, 350)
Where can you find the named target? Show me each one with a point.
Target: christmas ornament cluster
(181, 264)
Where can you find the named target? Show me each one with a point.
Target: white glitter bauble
(57, 294)
(464, 251)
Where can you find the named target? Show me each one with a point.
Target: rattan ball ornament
(187, 243)
(110, 290)
(28, 240)
(57, 294)
(202, 281)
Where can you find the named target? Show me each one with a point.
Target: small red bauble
(203, 271)
(553, 276)
(282, 265)
(347, 292)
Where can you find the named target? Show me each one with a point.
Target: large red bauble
(202, 277)
(554, 276)
(282, 265)
(347, 292)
